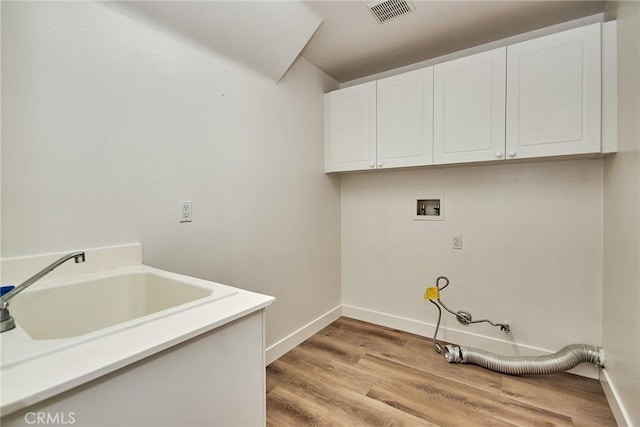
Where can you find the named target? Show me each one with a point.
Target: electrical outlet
(186, 210)
(456, 241)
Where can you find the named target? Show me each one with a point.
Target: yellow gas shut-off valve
(432, 293)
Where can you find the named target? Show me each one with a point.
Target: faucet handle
(6, 289)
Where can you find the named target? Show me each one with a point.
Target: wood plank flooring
(354, 373)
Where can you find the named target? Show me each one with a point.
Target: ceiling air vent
(386, 10)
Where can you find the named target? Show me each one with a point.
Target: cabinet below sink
(136, 346)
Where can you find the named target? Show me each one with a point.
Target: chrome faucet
(6, 320)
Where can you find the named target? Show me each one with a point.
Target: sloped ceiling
(266, 36)
(349, 43)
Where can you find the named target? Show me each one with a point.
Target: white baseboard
(499, 346)
(424, 329)
(294, 339)
(613, 398)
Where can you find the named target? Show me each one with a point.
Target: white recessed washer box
(428, 207)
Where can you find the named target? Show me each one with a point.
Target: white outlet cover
(456, 241)
(186, 211)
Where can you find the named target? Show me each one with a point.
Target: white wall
(532, 250)
(108, 122)
(621, 298)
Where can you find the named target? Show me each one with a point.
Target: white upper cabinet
(538, 98)
(553, 94)
(405, 119)
(381, 124)
(469, 108)
(350, 128)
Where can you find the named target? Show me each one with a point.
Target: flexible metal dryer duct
(563, 360)
(567, 358)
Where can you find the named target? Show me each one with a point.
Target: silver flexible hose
(465, 320)
(565, 359)
(437, 347)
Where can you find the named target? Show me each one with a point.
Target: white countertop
(39, 378)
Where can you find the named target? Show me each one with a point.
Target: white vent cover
(386, 10)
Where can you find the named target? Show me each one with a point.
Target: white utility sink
(72, 308)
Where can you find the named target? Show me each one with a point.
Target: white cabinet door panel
(553, 94)
(405, 119)
(469, 110)
(351, 129)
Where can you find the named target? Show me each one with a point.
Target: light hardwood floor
(354, 373)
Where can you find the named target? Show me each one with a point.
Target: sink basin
(70, 309)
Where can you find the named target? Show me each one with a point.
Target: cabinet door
(553, 94)
(405, 119)
(350, 128)
(469, 108)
